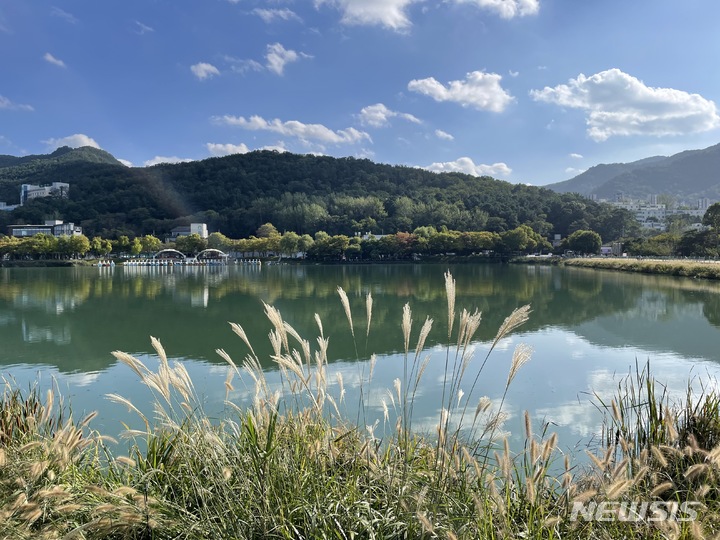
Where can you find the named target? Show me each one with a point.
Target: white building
(186, 230)
(7, 207)
(52, 227)
(649, 216)
(30, 191)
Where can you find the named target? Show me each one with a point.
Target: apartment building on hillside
(31, 191)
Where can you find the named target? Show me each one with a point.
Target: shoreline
(708, 269)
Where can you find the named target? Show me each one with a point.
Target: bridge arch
(212, 253)
(169, 254)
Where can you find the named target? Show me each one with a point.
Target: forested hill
(302, 193)
(14, 167)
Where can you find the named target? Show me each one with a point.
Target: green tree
(122, 244)
(96, 245)
(474, 242)
(150, 243)
(712, 217)
(267, 230)
(79, 244)
(42, 245)
(518, 239)
(305, 243)
(587, 242)
(100, 247)
(135, 247)
(191, 244)
(289, 243)
(219, 241)
(106, 248)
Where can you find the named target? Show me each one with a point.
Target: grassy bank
(44, 263)
(292, 465)
(669, 267)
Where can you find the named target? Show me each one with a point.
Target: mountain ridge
(687, 176)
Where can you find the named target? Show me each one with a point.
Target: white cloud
(574, 171)
(388, 13)
(513, 73)
(240, 65)
(62, 14)
(379, 115)
(467, 166)
(5, 103)
(143, 28)
(164, 159)
(293, 128)
(125, 162)
(3, 27)
(73, 141)
(619, 104)
(51, 59)
(278, 56)
(226, 149)
(576, 156)
(203, 70)
(270, 15)
(280, 147)
(507, 9)
(440, 134)
(479, 90)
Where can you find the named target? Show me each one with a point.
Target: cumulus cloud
(293, 128)
(165, 159)
(52, 60)
(125, 162)
(388, 13)
(73, 141)
(226, 149)
(618, 104)
(379, 115)
(574, 171)
(278, 56)
(467, 166)
(5, 103)
(576, 156)
(203, 70)
(440, 134)
(507, 9)
(479, 90)
(270, 15)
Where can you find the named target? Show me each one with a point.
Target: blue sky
(531, 91)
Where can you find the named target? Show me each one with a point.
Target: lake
(587, 329)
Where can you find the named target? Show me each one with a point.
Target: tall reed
(291, 464)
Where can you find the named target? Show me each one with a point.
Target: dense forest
(236, 194)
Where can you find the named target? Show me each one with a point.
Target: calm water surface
(587, 329)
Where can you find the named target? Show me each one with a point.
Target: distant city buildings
(52, 227)
(653, 215)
